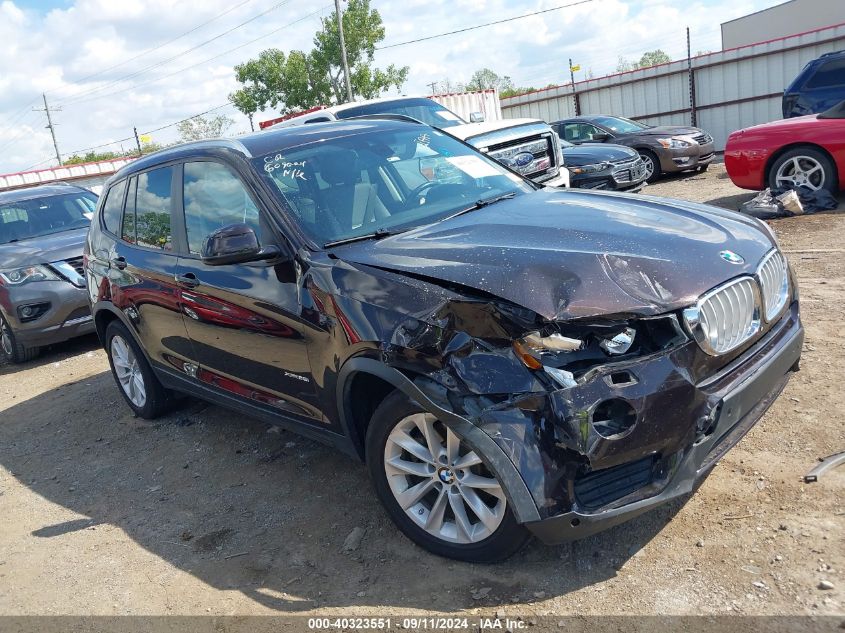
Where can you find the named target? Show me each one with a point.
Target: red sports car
(808, 150)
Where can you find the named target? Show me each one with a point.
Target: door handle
(188, 280)
(118, 262)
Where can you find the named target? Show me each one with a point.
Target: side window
(152, 209)
(113, 207)
(146, 221)
(572, 132)
(831, 73)
(214, 197)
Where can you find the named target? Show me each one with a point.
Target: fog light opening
(575, 522)
(613, 418)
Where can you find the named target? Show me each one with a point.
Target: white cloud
(56, 51)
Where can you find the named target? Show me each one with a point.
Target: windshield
(383, 181)
(425, 110)
(24, 219)
(620, 125)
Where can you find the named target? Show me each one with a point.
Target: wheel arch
(791, 146)
(374, 372)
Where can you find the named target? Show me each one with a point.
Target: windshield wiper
(483, 202)
(375, 235)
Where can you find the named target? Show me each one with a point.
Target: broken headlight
(577, 347)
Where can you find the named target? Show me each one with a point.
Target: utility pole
(574, 94)
(343, 50)
(432, 85)
(692, 112)
(137, 140)
(51, 127)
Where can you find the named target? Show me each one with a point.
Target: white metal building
(794, 16)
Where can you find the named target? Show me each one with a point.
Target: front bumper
(68, 314)
(674, 160)
(740, 406)
(561, 180)
(606, 182)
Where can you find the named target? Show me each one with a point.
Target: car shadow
(54, 353)
(244, 506)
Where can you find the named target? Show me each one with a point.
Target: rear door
(242, 319)
(143, 264)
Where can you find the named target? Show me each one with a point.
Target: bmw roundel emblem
(522, 159)
(731, 257)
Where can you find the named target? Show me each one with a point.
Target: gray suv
(42, 283)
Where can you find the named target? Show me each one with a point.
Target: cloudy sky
(114, 64)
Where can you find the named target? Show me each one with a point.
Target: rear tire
(135, 379)
(11, 349)
(441, 518)
(652, 165)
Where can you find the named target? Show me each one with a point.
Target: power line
(162, 45)
(129, 138)
(181, 70)
(481, 26)
(170, 59)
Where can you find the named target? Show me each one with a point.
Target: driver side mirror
(476, 117)
(234, 244)
(601, 137)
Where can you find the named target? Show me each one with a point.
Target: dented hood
(571, 254)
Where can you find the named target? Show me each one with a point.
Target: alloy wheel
(128, 371)
(803, 171)
(6, 338)
(442, 485)
(648, 163)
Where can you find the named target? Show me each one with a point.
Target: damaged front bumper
(735, 398)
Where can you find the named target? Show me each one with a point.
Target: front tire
(139, 386)
(803, 166)
(652, 165)
(12, 350)
(438, 491)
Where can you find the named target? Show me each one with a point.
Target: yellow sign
(575, 68)
(146, 138)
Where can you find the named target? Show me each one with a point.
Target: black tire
(649, 156)
(12, 350)
(827, 166)
(505, 541)
(156, 398)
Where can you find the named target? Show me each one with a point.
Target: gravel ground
(209, 512)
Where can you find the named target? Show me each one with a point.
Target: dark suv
(818, 87)
(507, 359)
(42, 285)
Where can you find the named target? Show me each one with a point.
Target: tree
(198, 127)
(302, 80)
(652, 58)
(623, 65)
(649, 58)
(486, 79)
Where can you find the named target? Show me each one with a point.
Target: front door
(242, 319)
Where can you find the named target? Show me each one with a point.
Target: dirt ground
(209, 512)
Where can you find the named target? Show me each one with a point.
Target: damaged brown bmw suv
(507, 359)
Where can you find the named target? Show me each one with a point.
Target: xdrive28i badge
(731, 257)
